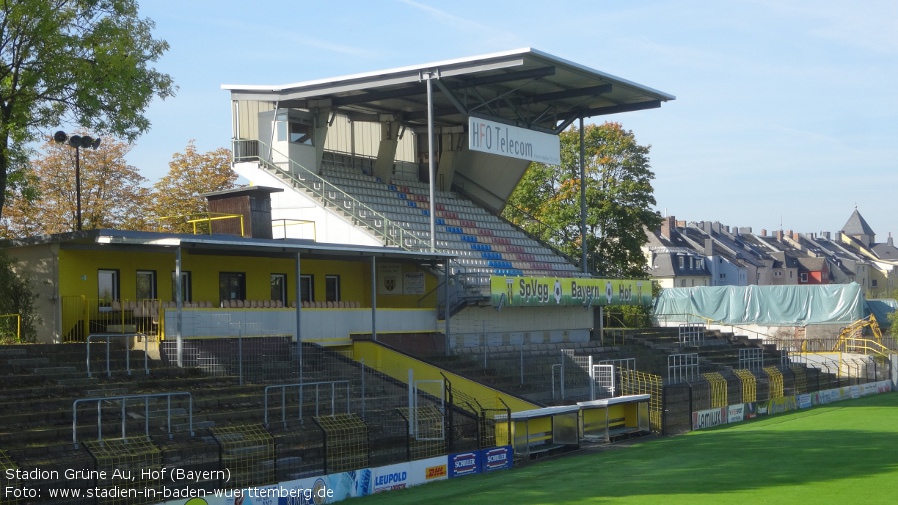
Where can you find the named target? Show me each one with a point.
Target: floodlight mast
(78, 142)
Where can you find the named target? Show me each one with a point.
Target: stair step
(54, 370)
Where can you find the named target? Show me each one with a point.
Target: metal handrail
(300, 386)
(108, 336)
(124, 399)
(382, 227)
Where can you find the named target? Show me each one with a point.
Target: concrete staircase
(40, 384)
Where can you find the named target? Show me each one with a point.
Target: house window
(682, 261)
(723, 276)
(873, 283)
(306, 288)
(691, 263)
(231, 286)
(279, 288)
(683, 282)
(145, 285)
(700, 263)
(108, 284)
(186, 287)
(332, 288)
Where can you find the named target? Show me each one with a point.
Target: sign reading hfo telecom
(497, 138)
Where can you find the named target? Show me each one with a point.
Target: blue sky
(786, 111)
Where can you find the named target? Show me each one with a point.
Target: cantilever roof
(525, 87)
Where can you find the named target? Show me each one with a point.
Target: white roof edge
(374, 73)
(606, 75)
(470, 59)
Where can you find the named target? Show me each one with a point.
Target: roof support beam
(569, 93)
(405, 91)
(535, 73)
(450, 96)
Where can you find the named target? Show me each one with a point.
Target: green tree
(619, 197)
(177, 196)
(84, 62)
(16, 297)
(112, 192)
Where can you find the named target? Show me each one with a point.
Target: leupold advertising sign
(560, 291)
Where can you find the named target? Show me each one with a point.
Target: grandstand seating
(485, 244)
(38, 384)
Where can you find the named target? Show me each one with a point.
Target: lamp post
(78, 142)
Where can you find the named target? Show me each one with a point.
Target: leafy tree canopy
(112, 192)
(619, 200)
(191, 174)
(84, 62)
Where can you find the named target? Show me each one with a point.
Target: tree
(112, 192)
(178, 194)
(84, 62)
(16, 297)
(619, 197)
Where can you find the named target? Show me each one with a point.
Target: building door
(231, 286)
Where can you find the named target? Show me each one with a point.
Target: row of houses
(687, 254)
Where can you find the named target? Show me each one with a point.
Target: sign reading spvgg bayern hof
(568, 291)
(511, 141)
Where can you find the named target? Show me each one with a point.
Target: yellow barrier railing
(634, 383)
(718, 389)
(4, 331)
(776, 382)
(749, 385)
(215, 217)
(205, 217)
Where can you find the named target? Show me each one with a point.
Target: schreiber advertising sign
(546, 291)
(513, 142)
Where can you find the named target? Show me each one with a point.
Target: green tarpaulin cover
(766, 305)
(881, 310)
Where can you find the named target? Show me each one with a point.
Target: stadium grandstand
(360, 318)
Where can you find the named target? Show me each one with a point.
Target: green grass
(842, 453)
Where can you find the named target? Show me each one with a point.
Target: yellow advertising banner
(568, 291)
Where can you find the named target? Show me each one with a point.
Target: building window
(682, 261)
(723, 276)
(297, 132)
(279, 288)
(803, 277)
(332, 288)
(873, 283)
(146, 285)
(186, 287)
(691, 263)
(306, 288)
(231, 286)
(700, 264)
(108, 284)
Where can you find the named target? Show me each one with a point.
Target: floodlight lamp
(60, 137)
(75, 141)
(86, 141)
(96, 143)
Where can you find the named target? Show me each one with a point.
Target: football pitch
(840, 453)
